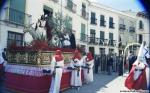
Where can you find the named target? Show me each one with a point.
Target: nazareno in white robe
(88, 73)
(76, 75)
(56, 80)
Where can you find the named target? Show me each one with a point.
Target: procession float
(28, 65)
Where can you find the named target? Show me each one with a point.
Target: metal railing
(111, 25)
(17, 17)
(122, 27)
(83, 37)
(131, 29)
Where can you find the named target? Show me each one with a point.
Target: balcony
(101, 41)
(83, 37)
(17, 17)
(71, 6)
(131, 29)
(111, 42)
(122, 27)
(91, 40)
(111, 25)
(102, 23)
(84, 14)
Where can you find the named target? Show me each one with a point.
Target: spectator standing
(97, 63)
(109, 64)
(131, 58)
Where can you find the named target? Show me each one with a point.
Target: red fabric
(140, 83)
(76, 55)
(58, 56)
(30, 84)
(89, 57)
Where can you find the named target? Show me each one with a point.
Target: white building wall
(6, 26)
(145, 32)
(100, 10)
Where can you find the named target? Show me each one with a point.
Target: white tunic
(88, 73)
(56, 80)
(1, 57)
(76, 74)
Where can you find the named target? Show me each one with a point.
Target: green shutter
(82, 36)
(18, 5)
(17, 11)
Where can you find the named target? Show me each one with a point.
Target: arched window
(141, 24)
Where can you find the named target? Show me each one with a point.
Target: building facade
(97, 28)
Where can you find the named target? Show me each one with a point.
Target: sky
(122, 5)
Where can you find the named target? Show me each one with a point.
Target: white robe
(56, 81)
(1, 57)
(75, 77)
(88, 76)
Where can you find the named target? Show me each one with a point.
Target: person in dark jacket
(120, 65)
(110, 64)
(97, 63)
(131, 59)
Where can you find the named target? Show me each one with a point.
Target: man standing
(131, 58)
(110, 64)
(88, 68)
(97, 63)
(76, 70)
(57, 65)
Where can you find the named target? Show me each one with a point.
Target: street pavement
(103, 83)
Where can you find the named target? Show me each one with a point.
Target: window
(17, 11)
(92, 36)
(15, 38)
(68, 24)
(141, 25)
(102, 20)
(111, 24)
(140, 39)
(101, 37)
(82, 36)
(111, 39)
(93, 18)
(83, 10)
(70, 4)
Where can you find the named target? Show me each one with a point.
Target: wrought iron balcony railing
(112, 42)
(111, 25)
(122, 27)
(17, 17)
(103, 23)
(131, 29)
(83, 37)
